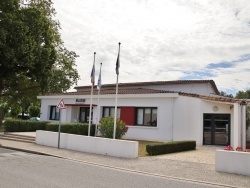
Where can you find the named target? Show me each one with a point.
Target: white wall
(202, 88)
(103, 146)
(178, 118)
(188, 117)
(163, 131)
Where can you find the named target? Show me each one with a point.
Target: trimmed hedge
(72, 128)
(32, 126)
(170, 147)
(24, 126)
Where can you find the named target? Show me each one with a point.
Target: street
(19, 169)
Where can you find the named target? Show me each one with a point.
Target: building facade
(159, 111)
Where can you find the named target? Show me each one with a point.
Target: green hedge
(170, 147)
(24, 126)
(31, 126)
(72, 128)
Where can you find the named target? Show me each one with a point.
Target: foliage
(142, 147)
(72, 128)
(34, 110)
(24, 126)
(248, 117)
(29, 126)
(170, 147)
(224, 94)
(33, 59)
(243, 94)
(15, 110)
(106, 127)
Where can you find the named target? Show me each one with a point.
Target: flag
(118, 61)
(92, 76)
(99, 84)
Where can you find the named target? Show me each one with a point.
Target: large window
(54, 113)
(110, 111)
(146, 116)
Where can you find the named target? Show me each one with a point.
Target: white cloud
(161, 40)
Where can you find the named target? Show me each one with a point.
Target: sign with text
(80, 100)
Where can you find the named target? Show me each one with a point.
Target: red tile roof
(153, 91)
(113, 91)
(156, 83)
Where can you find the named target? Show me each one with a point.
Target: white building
(160, 111)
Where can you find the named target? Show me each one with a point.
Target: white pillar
(236, 128)
(243, 127)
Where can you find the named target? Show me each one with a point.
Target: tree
(33, 59)
(34, 110)
(224, 94)
(243, 94)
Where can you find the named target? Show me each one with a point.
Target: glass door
(216, 129)
(84, 114)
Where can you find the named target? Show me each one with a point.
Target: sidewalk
(195, 165)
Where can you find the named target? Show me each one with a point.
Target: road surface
(19, 169)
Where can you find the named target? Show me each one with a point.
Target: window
(146, 116)
(110, 111)
(54, 113)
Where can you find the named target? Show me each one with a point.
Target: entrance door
(84, 114)
(216, 129)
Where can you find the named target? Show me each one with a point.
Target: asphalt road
(19, 169)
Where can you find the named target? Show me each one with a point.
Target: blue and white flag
(118, 61)
(99, 84)
(92, 76)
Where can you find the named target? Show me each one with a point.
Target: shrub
(106, 127)
(72, 128)
(34, 111)
(170, 147)
(24, 126)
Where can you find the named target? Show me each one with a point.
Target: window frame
(109, 111)
(143, 116)
(51, 115)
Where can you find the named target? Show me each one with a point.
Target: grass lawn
(142, 147)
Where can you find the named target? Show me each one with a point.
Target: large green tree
(33, 58)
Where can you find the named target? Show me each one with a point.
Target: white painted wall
(233, 162)
(103, 146)
(202, 88)
(178, 118)
(163, 131)
(188, 119)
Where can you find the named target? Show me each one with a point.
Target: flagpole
(99, 89)
(116, 93)
(93, 82)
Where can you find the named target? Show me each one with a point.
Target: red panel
(127, 114)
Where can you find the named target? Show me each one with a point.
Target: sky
(161, 40)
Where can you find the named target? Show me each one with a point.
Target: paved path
(195, 165)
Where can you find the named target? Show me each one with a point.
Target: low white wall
(96, 145)
(233, 162)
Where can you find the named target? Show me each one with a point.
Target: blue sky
(160, 39)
